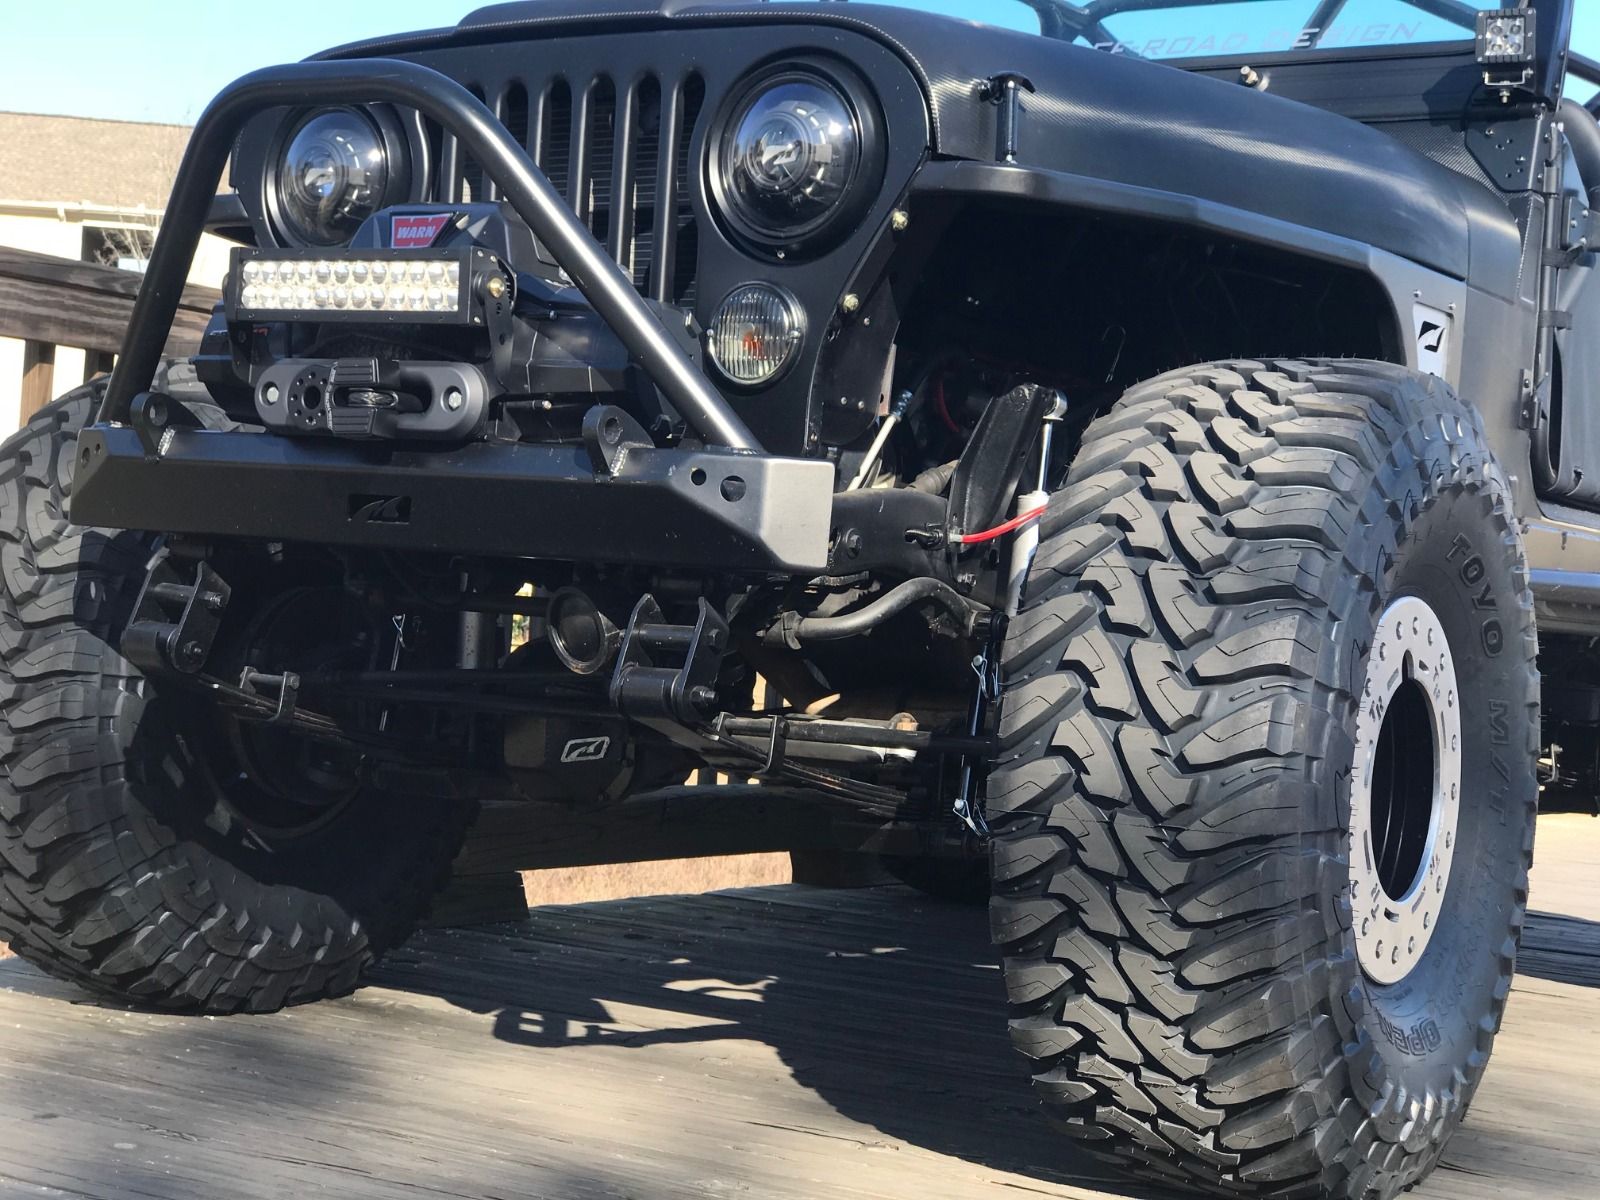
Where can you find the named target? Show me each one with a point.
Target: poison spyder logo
(381, 510)
(586, 749)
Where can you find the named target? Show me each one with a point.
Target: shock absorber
(1026, 541)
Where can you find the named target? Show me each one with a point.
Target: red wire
(988, 535)
(1016, 522)
(940, 406)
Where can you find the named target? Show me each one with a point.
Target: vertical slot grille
(513, 114)
(637, 233)
(472, 171)
(682, 262)
(596, 177)
(619, 153)
(553, 152)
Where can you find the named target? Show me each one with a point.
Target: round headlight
(755, 333)
(332, 177)
(790, 152)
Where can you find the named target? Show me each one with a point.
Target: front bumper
(706, 509)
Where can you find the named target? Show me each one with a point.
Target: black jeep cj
(1125, 485)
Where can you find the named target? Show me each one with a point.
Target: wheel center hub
(1405, 790)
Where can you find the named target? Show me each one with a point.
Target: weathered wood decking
(783, 1043)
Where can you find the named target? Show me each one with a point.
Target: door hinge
(1531, 401)
(1579, 233)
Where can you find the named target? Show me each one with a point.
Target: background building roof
(116, 164)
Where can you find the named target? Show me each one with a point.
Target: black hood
(1109, 117)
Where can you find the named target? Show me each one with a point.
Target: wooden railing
(49, 302)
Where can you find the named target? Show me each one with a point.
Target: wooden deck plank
(785, 1043)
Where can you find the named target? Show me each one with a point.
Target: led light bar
(414, 286)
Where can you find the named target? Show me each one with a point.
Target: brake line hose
(989, 535)
(791, 629)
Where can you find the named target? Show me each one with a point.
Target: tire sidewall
(1419, 1045)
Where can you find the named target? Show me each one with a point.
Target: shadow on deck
(888, 1005)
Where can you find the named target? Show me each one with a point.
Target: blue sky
(161, 60)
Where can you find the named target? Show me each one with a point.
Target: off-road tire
(108, 878)
(1172, 800)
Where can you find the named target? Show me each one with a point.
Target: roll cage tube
(1056, 17)
(1587, 69)
(1066, 21)
(522, 185)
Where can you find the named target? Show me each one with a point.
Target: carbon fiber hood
(1109, 117)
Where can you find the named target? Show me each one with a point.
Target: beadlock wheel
(1263, 804)
(1405, 793)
